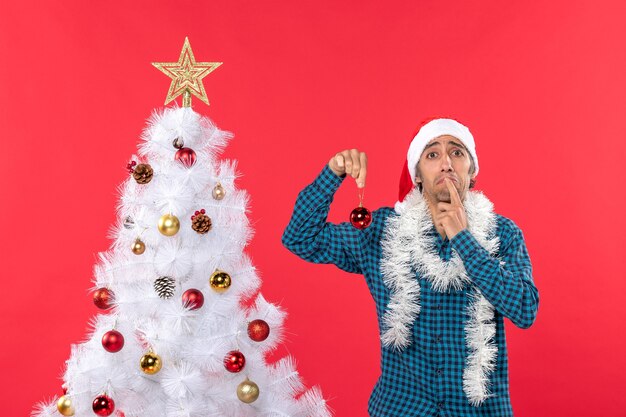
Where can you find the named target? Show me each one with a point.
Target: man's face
(444, 156)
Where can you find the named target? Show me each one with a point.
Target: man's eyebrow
(460, 145)
(453, 143)
(431, 144)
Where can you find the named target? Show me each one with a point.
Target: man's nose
(446, 163)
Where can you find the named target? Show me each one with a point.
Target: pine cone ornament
(201, 223)
(143, 173)
(164, 287)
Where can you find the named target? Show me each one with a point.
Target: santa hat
(429, 130)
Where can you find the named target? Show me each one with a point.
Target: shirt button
(440, 405)
(439, 371)
(438, 339)
(439, 307)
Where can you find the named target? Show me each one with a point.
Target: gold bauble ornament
(138, 247)
(218, 192)
(169, 224)
(220, 281)
(65, 407)
(150, 363)
(248, 391)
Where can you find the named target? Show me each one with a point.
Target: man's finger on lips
(451, 188)
(454, 194)
(441, 206)
(360, 181)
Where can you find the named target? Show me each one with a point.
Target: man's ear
(472, 183)
(417, 178)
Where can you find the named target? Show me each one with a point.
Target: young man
(444, 270)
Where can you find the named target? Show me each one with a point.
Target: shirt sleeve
(506, 282)
(311, 237)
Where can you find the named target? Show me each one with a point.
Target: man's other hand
(351, 162)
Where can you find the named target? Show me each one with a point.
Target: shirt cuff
(465, 244)
(327, 181)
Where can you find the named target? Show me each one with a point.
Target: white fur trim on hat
(436, 128)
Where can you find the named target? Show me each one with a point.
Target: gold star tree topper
(186, 75)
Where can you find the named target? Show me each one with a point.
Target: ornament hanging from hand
(360, 216)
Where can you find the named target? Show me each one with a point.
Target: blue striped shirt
(426, 378)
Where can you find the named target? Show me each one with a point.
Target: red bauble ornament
(186, 156)
(234, 361)
(113, 341)
(193, 299)
(360, 217)
(103, 298)
(103, 405)
(258, 330)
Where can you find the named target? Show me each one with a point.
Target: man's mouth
(442, 180)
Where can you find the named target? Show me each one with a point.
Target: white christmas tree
(184, 331)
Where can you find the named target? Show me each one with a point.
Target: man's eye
(458, 152)
(432, 153)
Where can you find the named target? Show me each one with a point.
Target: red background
(541, 86)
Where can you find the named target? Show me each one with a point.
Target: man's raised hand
(451, 216)
(351, 162)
